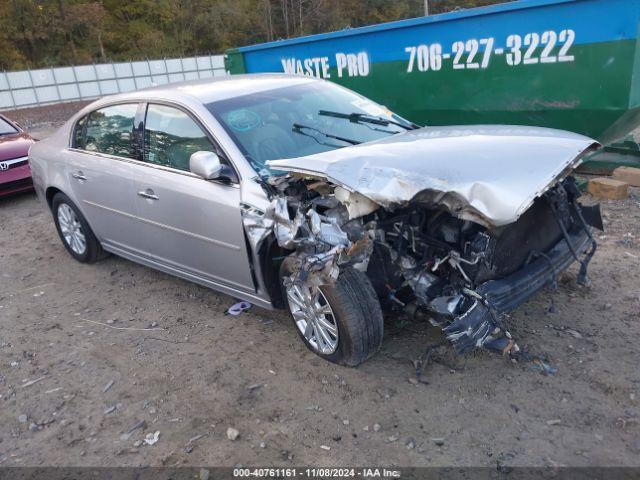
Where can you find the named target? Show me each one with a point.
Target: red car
(15, 174)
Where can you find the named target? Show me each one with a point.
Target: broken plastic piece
(470, 329)
(544, 367)
(238, 308)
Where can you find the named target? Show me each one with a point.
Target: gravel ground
(43, 121)
(87, 352)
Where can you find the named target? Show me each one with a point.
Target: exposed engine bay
(422, 257)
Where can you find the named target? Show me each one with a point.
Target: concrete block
(629, 175)
(608, 188)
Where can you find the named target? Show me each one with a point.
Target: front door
(187, 223)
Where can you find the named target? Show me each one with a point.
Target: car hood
(489, 174)
(14, 146)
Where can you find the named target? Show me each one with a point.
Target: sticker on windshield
(370, 108)
(242, 120)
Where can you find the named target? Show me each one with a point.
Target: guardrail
(29, 88)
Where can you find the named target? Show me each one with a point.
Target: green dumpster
(568, 64)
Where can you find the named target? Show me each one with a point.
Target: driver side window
(171, 136)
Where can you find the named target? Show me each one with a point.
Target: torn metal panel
(258, 224)
(357, 205)
(285, 227)
(489, 174)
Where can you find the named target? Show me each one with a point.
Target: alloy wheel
(71, 229)
(313, 317)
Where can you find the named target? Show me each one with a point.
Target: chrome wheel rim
(313, 317)
(71, 229)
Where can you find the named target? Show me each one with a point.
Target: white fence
(30, 88)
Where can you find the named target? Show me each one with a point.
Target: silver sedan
(295, 192)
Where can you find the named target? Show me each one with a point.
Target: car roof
(213, 89)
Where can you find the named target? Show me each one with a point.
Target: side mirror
(206, 165)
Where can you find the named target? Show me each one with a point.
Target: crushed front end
(421, 256)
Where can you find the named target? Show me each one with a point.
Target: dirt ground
(87, 352)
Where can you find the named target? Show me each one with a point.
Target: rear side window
(171, 136)
(108, 130)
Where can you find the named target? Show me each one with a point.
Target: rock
(555, 421)
(376, 427)
(325, 447)
(439, 441)
(608, 189)
(33, 427)
(152, 438)
(365, 428)
(137, 443)
(629, 175)
(410, 443)
(110, 410)
(263, 445)
(232, 434)
(393, 438)
(345, 422)
(204, 474)
(573, 333)
(23, 418)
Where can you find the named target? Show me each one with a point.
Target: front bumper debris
(480, 325)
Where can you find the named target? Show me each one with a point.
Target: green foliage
(42, 33)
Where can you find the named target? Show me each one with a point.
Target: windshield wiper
(357, 117)
(299, 128)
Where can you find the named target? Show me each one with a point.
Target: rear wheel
(74, 231)
(341, 323)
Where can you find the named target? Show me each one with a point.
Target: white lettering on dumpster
(347, 65)
(311, 67)
(530, 49)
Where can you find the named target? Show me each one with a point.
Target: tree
(36, 33)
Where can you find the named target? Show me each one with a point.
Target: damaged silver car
(293, 192)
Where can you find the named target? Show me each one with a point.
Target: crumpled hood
(486, 173)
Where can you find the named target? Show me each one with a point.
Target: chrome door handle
(79, 175)
(148, 193)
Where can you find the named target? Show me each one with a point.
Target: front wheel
(341, 323)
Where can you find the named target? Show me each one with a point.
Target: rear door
(189, 224)
(100, 174)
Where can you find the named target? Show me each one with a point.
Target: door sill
(163, 267)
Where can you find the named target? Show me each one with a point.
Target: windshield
(293, 122)
(6, 128)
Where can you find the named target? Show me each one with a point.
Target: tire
(356, 313)
(66, 214)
